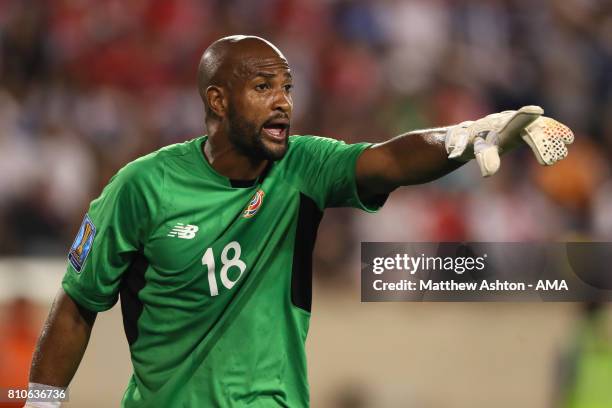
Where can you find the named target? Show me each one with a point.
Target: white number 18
(209, 260)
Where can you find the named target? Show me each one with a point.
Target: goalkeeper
(208, 243)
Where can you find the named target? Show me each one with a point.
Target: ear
(215, 97)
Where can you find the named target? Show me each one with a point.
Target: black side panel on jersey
(309, 218)
(131, 307)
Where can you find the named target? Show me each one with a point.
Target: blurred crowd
(86, 86)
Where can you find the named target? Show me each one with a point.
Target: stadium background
(86, 86)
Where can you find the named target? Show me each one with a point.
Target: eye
(288, 88)
(262, 87)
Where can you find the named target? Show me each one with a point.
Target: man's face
(260, 107)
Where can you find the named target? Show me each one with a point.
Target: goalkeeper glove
(485, 139)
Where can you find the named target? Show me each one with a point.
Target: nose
(282, 102)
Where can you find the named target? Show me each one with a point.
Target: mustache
(280, 117)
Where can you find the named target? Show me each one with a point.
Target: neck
(229, 162)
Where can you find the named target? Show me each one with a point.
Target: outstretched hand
(487, 138)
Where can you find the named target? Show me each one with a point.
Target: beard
(247, 139)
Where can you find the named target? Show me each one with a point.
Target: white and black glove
(487, 138)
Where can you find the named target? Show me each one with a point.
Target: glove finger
(509, 134)
(548, 139)
(556, 129)
(534, 141)
(522, 118)
(487, 157)
(563, 153)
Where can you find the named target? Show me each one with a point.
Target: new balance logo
(184, 231)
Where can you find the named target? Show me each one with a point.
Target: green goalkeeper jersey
(214, 275)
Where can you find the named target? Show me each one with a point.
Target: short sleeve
(324, 169)
(111, 234)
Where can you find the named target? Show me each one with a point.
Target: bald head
(245, 83)
(234, 57)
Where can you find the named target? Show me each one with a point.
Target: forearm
(411, 158)
(419, 157)
(62, 342)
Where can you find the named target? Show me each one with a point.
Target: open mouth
(276, 130)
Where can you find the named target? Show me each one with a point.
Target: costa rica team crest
(254, 205)
(82, 244)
